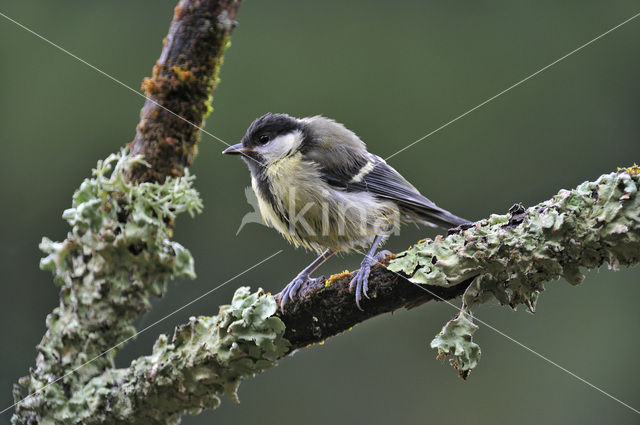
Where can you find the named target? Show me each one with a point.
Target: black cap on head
(268, 127)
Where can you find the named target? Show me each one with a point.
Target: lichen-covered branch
(206, 357)
(181, 88)
(324, 310)
(505, 257)
(119, 252)
(117, 255)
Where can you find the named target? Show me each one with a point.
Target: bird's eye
(263, 139)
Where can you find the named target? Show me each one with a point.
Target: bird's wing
(380, 179)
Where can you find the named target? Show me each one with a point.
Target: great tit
(317, 184)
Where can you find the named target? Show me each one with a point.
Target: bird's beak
(237, 149)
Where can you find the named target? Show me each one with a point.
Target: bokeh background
(392, 72)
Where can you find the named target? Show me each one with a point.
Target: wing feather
(380, 179)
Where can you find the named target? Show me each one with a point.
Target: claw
(360, 282)
(381, 255)
(291, 290)
(356, 283)
(359, 294)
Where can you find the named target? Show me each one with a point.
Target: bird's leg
(291, 290)
(360, 281)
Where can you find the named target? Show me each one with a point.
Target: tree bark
(119, 254)
(324, 310)
(119, 251)
(180, 91)
(505, 257)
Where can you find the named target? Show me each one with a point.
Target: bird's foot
(360, 282)
(291, 290)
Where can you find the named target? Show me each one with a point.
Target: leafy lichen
(118, 253)
(456, 341)
(509, 257)
(207, 357)
(115, 224)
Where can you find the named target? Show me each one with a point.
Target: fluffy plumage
(317, 184)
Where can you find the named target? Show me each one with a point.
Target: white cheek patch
(281, 146)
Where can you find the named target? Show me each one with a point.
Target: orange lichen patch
(146, 82)
(335, 277)
(182, 74)
(634, 170)
(385, 261)
(182, 83)
(153, 85)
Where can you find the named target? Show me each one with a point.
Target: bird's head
(269, 138)
(321, 142)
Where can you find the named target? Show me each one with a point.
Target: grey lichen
(117, 254)
(206, 358)
(510, 257)
(456, 341)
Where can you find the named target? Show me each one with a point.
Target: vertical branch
(180, 90)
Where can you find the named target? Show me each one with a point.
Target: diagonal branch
(507, 257)
(325, 310)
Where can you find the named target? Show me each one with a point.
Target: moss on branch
(179, 92)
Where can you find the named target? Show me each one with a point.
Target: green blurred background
(392, 72)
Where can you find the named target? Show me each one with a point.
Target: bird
(318, 185)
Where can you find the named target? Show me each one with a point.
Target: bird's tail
(429, 213)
